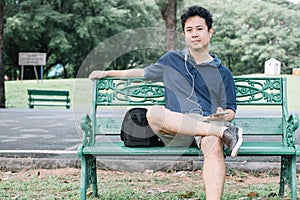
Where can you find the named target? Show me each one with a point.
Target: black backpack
(135, 130)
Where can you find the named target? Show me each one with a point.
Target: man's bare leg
(214, 168)
(165, 121)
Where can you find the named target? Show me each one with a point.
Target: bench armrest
(293, 121)
(86, 126)
(292, 125)
(297, 150)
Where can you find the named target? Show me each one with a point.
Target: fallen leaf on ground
(187, 194)
(252, 194)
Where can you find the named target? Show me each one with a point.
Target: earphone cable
(197, 110)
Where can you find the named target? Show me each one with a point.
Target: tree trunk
(168, 12)
(2, 86)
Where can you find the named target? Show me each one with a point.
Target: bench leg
(83, 178)
(93, 175)
(288, 175)
(88, 175)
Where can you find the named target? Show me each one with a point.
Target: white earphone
(186, 55)
(197, 110)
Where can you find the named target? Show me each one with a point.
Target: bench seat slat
(265, 149)
(247, 149)
(118, 148)
(40, 104)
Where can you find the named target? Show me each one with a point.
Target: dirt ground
(242, 178)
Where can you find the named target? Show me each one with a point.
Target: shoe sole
(236, 148)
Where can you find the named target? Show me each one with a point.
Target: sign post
(32, 59)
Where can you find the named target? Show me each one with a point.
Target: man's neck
(201, 56)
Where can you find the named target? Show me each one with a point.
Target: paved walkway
(38, 129)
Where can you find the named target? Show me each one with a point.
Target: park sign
(33, 59)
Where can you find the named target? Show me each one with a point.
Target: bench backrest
(48, 92)
(251, 91)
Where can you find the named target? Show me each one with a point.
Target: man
(196, 86)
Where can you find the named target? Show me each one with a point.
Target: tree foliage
(246, 34)
(68, 30)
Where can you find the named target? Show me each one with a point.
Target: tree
(168, 9)
(68, 30)
(2, 85)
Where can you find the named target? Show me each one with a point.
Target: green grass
(80, 91)
(64, 184)
(16, 91)
(38, 186)
(293, 84)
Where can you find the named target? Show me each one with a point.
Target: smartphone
(219, 113)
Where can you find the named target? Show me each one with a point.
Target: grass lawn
(81, 90)
(16, 91)
(293, 84)
(64, 184)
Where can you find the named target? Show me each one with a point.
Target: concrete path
(38, 129)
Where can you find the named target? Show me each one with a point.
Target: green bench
(48, 98)
(113, 93)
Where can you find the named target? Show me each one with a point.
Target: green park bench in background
(48, 98)
(113, 93)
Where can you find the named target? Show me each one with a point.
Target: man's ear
(211, 31)
(182, 33)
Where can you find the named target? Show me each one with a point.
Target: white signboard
(32, 59)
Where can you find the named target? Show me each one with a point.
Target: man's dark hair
(197, 11)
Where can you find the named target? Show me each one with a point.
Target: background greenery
(247, 32)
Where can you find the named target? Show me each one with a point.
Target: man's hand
(98, 74)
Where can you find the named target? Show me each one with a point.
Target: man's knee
(211, 145)
(155, 117)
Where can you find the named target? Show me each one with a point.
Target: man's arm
(98, 74)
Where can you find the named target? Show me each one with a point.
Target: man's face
(196, 33)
